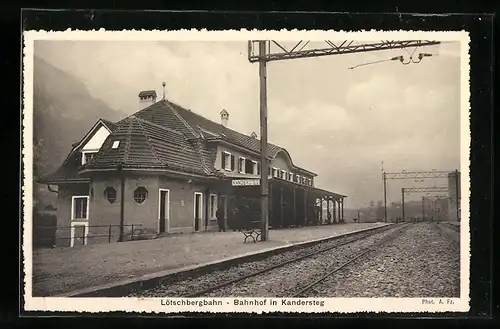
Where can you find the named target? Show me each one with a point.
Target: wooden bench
(253, 231)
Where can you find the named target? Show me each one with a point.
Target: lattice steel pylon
(428, 189)
(418, 174)
(425, 189)
(266, 54)
(301, 50)
(414, 175)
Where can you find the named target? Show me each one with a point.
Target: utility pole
(385, 197)
(457, 190)
(264, 178)
(423, 208)
(403, 204)
(119, 168)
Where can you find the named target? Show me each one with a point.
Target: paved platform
(62, 270)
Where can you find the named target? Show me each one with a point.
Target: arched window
(110, 194)
(140, 194)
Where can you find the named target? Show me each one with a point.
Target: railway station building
(169, 169)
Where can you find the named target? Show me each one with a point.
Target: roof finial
(163, 85)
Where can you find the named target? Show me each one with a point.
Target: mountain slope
(63, 113)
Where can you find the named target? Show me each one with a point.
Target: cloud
(337, 122)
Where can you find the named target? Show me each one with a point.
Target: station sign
(245, 182)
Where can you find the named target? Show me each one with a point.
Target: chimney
(224, 117)
(253, 134)
(146, 98)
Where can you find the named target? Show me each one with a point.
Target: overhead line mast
(265, 54)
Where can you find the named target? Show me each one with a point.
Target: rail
(345, 240)
(450, 233)
(302, 291)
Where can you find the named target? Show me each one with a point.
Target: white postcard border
(158, 305)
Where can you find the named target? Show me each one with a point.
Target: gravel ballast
(187, 285)
(284, 281)
(422, 262)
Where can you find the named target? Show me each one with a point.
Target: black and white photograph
(246, 171)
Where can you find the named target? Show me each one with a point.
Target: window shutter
(232, 162)
(223, 160)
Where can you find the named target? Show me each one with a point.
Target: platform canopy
(311, 190)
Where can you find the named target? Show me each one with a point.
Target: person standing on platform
(220, 219)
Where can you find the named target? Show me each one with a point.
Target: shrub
(44, 229)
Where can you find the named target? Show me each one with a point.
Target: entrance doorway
(222, 203)
(163, 211)
(198, 210)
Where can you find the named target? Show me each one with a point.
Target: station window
(140, 194)
(226, 160)
(80, 207)
(241, 165)
(283, 174)
(110, 194)
(255, 168)
(87, 156)
(275, 172)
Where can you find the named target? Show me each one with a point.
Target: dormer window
(275, 172)
(87, 156)
(290, 177)
(283, 174)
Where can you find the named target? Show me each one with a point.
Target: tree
(39, 159)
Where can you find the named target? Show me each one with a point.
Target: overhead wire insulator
(422, 55)
(400, 58)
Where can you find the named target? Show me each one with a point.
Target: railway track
(450, 232)
(342, 242)
(302, 292)
(455, 228)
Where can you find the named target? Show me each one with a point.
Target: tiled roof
(72, 164)
(145, 93)
(201, 124)
(158, 113)
(164, 135)
(193, 125)
(109, 124)
(144, 144)
(67, 172)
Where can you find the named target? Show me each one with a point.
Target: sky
(340, 123)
